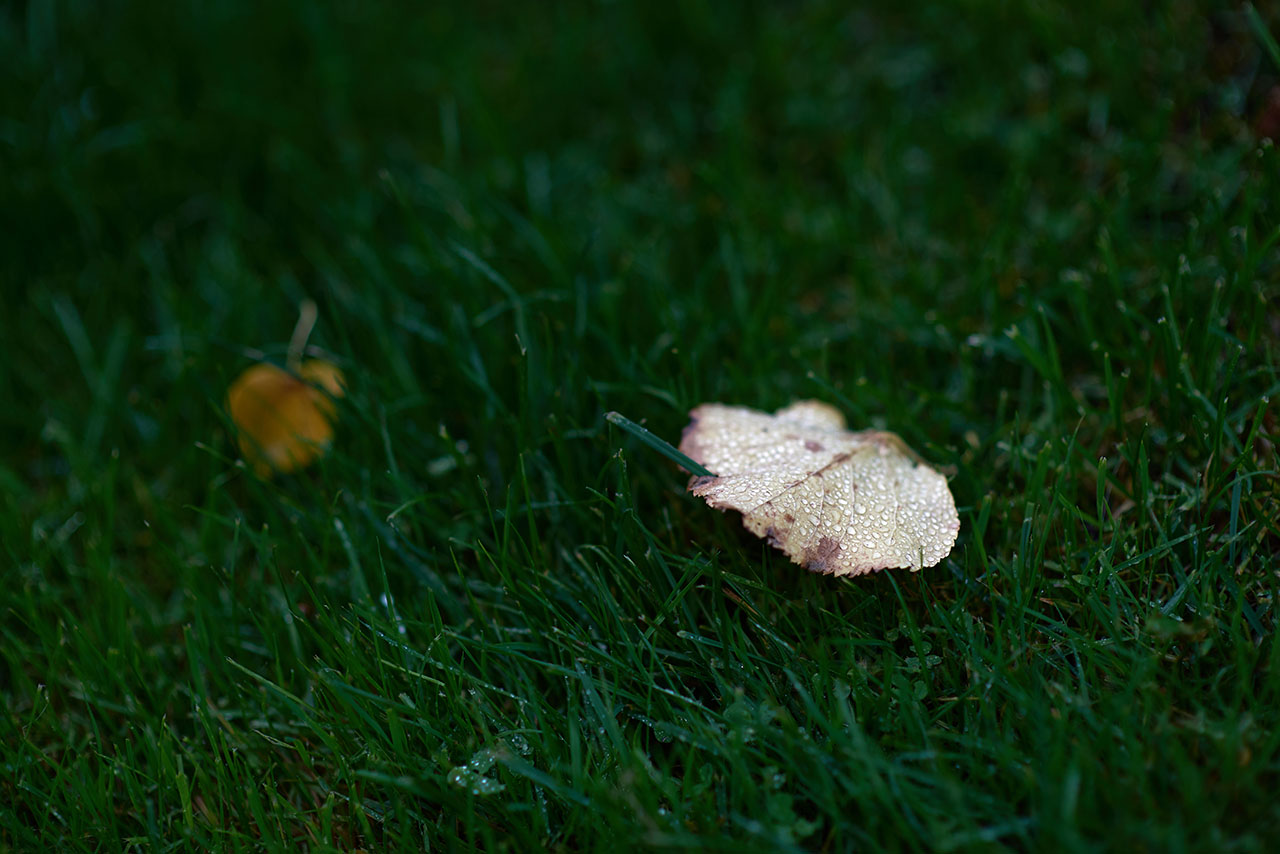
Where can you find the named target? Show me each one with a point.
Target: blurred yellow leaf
(285, 421)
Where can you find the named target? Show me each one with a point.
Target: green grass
(1037, 240)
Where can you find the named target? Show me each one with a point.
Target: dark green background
(1037, 240)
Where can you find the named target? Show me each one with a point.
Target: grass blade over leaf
(655, 442)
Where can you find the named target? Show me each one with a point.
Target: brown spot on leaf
(813, 446)
(822, 556)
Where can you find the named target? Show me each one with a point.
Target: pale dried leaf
(836, 501)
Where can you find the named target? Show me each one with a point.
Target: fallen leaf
(285, 420)
(836, 501)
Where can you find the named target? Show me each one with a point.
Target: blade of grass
(657, 444)
(1264, 36)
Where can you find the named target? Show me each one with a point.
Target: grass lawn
(1041, 241)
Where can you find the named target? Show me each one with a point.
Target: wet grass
(1040, 243)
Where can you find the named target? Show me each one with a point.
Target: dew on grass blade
(486, 786)
(836, 501)
(482, 761)
(471, 776)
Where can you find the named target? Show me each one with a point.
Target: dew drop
(482, 761)
(486, 786)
